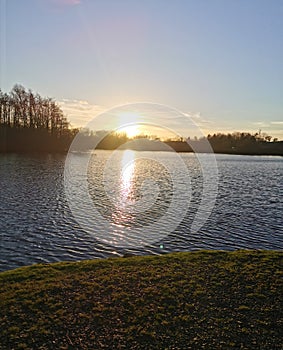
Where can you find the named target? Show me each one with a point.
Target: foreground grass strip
(207, 299)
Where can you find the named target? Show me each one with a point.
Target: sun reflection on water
(127, 174)
(122, 216)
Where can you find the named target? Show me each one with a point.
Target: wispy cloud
(261, 124)
(66, 2)
(199, 119)
(201, 123)
(154, 119)
(273, 128)
(80, 112)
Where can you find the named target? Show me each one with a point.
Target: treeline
(235, 143)
(245, 143)
(231, 143)
(101, 139)
(30, 122)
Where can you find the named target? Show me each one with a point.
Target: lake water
(38, 226)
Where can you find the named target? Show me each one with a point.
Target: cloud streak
(277, 123)
(66, 2)
(80, 112)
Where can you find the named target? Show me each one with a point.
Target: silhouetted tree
(27, 121)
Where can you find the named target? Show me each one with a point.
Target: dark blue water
(37, 225)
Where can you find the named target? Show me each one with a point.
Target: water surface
(36, 224)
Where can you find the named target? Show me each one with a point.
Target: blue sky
(217, 60)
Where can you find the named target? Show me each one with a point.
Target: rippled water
(37, 225)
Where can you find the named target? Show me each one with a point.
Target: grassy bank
(200, 300)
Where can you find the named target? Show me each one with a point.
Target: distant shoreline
(101, 149)
(65, 153)
(28, 140)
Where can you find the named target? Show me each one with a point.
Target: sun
(129, 124)
(131, 130)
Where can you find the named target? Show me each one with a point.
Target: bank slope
(206, 299)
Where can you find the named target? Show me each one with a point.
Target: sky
(217, 61)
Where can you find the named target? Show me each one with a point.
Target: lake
(133, 197)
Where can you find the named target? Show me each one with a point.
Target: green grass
(199, 300)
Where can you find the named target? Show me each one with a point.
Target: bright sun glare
(131, 130)
(129, 123)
